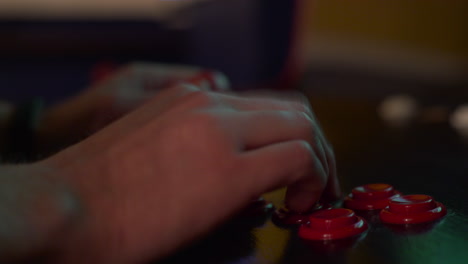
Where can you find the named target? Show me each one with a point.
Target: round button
(370, 196)
(412, 209)
(286, 217)
(332, 224)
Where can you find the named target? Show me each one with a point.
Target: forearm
(35, 211)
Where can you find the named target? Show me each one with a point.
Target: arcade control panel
(364, 206)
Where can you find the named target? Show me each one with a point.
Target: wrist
(37, 211)
(92, 237)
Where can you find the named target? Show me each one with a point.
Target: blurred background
(50, 47)
(419, 42)
(407, 58)
(374, 48)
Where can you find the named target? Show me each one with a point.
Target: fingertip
(303, 195)
(301, 201)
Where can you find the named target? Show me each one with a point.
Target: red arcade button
(332, 224)
(286, 217)
(370, 196)
(412, 209)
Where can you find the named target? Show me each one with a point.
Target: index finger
(303, 194)
(267, 169)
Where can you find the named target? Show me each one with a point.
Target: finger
(291, 99)
(303, 194)
(259, 128)
(294, 102)
(210, 81)
(332, 190)
(280, 164)
(159, 76)
(243, 103)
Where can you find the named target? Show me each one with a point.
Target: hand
(109, 99)
(181, 164)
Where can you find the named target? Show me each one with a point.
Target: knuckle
(195, 131)
(201, 124)
(183, 90)
(301, 98)
(301, 107)
(199, 98)
(304, 124)
(205, 120)
(304, 152)
(305, 120)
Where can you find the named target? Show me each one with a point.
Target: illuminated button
(370, 196)
(332, 224)
(412, 209)
(398, 110)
